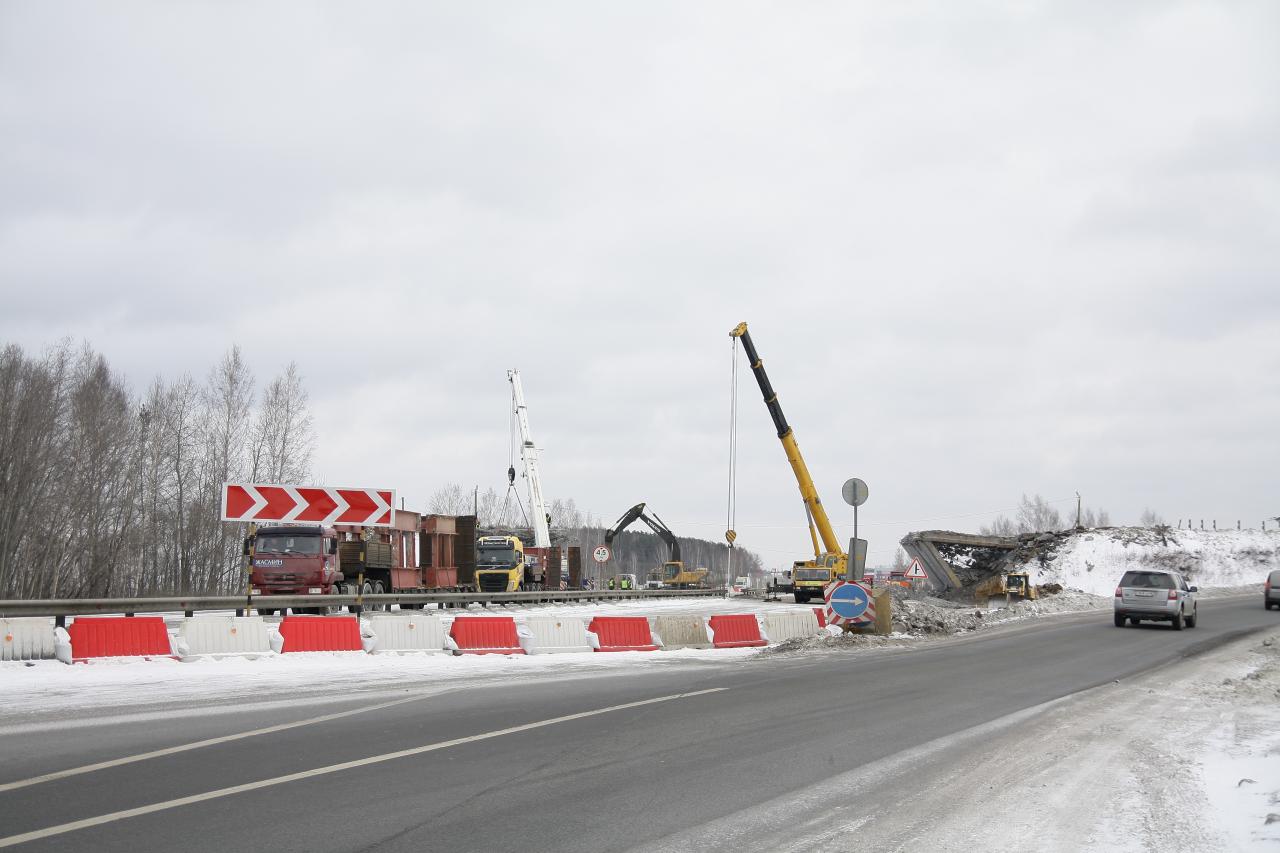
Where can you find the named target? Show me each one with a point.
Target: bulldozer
(1011, 586)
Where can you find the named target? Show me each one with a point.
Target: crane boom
(529, 453)
(813, 504)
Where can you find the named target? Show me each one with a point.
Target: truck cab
(500, 564)
(810, 577)
(293, 560)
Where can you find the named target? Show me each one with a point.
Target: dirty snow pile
(1093, 561)
(918, 615)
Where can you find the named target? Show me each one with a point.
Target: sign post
(855, 495)
(601, 555)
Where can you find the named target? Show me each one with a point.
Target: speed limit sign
(601, 554)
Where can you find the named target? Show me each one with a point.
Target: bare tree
(1000, 526)
(283, 437)
(228, 401)
(1036, 514)
(451, 499)
(1150, 518)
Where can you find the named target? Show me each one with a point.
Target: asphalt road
(639, 761)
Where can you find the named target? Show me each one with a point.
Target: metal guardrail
(62, 607)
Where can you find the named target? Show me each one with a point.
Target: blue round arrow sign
(849, 601)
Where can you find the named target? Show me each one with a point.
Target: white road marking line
(130, 759)
(60, 829)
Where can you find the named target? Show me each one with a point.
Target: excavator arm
(655, 524)
(659, 527)
(622, 523)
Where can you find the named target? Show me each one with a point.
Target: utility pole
(1077, 510)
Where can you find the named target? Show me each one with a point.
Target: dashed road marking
(63, 828)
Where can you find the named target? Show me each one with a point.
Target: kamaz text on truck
(293, 561)
(314, 560)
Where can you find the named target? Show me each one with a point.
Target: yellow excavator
(673, 573)
(809, 577)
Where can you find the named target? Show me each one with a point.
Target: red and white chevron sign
(315, 504)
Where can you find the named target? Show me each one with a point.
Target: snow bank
(49, 689)
(1093, 561)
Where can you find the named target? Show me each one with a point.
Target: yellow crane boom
(833, 557)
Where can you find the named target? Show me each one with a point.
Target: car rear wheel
(1119, 620)
(1177, 621)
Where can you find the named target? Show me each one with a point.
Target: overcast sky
(984, 249)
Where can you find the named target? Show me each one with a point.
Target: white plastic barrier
(222, 635)
(682, 632)
(396, 632)
(780, 626)
(26, 639)
(553, 635)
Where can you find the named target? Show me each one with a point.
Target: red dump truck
(417, 553)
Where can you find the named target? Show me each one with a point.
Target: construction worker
(626, 582)
(610, 583)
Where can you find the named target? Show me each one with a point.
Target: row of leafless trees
(1035, 514)
(105, 492)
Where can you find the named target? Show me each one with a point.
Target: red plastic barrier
(119, 636)
(623, 634)
(320, 634)
(736, 631)
(821, 613)
(486, 635)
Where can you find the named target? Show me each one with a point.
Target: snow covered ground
(1189, 763)
(1185, 758)
(1093, 561)
(43, 690)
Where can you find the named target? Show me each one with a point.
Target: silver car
(1157, 596)
(1271, 590)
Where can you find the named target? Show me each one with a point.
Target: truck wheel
(266, 611)
(379, 589)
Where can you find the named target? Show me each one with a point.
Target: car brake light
(1119, 591)
(1173, 595)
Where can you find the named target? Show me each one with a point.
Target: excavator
(673, 572)
(809, 577)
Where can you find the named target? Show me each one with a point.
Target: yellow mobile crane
(808, 576)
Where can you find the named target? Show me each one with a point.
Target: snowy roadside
(1186, 758)
(48, 690)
